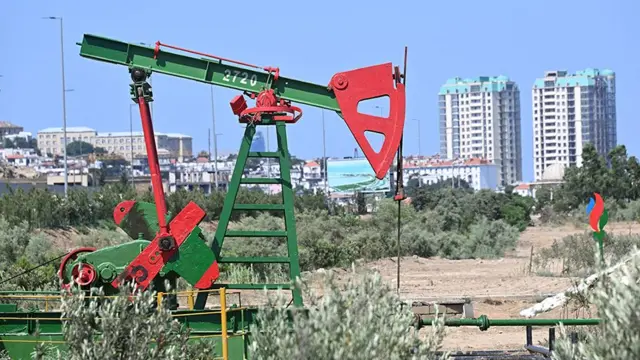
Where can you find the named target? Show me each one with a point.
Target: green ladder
(287, 206)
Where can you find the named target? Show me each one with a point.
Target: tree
(543, 198)
(361, 203)
(124, 328)
(509, 189)
(204, 154)
(78, 148)
(615, 177)
(618, 178)
(617, 299)
(100, 150)
(362, 320)
(21, 143)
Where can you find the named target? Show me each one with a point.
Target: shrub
(575, 252)
(20, 251)
(40, 208)
(617, 299)
(100, 238)
(126, 329)
(362, 320)
(490, 239)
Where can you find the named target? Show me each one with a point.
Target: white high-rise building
(570, 110)
(480, 118)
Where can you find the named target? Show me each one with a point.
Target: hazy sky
(520, 39)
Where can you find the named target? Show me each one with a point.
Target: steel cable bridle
(3, 281)
(400, 196)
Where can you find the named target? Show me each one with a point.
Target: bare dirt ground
(498, 288)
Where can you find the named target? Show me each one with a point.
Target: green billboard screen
(354, 175)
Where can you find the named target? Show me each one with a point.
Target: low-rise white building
(199, 174)
(478, 173)
(22, 134)
(312, 170)
(20, 157)
(523, 189)
(125, 144)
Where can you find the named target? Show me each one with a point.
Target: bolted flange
(107, 272)
(167, 243)
(340, 81)
(83, 274)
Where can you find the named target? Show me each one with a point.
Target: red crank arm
(146, 266)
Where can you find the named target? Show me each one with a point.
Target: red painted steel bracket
(209, 277)
(352, 87)
(288, 114)
(146, 266)
(121, 210)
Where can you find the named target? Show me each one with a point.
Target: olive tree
(363, 319)
(128, 326)
(617, 299)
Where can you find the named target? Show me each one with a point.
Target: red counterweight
(352, 87)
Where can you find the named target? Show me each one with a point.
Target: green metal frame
(20, 332)
(206, 70)
(287, 206)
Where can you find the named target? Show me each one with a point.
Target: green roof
(584, 77)
(486, 83)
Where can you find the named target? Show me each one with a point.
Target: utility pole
(453, 167)
(64, 105)
(209, 154)
(133, 183)
(268, 159)
(215, 141)
(324, 157)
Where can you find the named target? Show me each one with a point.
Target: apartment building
(125, 144)
(480, 118)
(51, 140)
(478, 173)
(570, 110)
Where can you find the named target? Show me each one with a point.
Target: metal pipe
(64, 104)
(64, 111)
(484, 323)
(419, 141)
(324, 157)
(131, 106)
(154, 166)
(25, 292)
(215, 142)
(223, 320)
